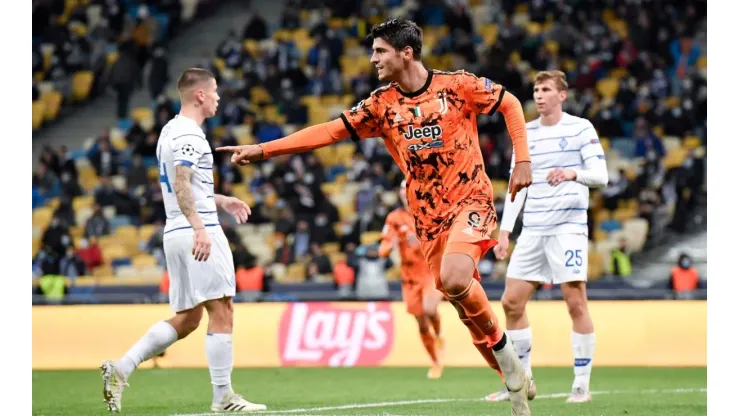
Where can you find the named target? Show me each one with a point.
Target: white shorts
(194, 282)
(553, 259)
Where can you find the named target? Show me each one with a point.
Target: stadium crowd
(82, 47)
(636, 69)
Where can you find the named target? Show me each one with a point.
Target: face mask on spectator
(84, 243)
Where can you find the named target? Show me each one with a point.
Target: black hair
(399, 33)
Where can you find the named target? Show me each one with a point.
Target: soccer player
(567, 159)
(427, 120)
(420, 297)
(199, 259)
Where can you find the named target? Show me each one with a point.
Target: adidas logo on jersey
(398, 118)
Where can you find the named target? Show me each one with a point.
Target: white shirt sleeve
(188, 148)
(594, 171)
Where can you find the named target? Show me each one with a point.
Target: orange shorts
(471, 233)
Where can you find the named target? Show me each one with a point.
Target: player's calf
(186, 322)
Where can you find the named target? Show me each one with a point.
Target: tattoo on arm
(184, 190)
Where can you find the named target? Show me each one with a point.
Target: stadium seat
(296, 273)
(146, 231)
(113, 252)
(126, 272)
(691, 142)
(103, 271)
(37, 114)
(370, 237)
(674, 158)
(143, 115)
(81, 84)
(52, 104)
(331, 248)
(596, 265)
(607, 87)
(143, 260)
(42, 217)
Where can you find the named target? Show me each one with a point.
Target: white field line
(309, 410)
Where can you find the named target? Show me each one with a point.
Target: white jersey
(571, 144)
(182, 142)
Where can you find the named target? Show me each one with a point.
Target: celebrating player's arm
(487, 97)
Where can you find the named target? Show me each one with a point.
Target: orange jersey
(432, 135)
(399, 227)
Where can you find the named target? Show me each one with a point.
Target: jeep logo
(428, 132)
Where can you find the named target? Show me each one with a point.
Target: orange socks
(427, 338)
(475, 303)
(480, 342)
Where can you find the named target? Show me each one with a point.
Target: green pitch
(376, 391)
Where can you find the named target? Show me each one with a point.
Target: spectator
(301, 246)
(125, 77)
(56, 237)
(71, 265)
(90, 253)
(159, 74)
(97, 225)
(620, 263)
(684, 277)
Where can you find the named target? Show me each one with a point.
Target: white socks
(583, 354)
(160, 336)
(522, 340)
(220, 355)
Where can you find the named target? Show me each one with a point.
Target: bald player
(199, 259)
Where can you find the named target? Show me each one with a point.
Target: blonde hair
(557, 76)
(191, 77)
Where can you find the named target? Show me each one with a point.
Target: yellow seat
(52, 104)
(146, 231)
(296, 273)
(126, 231)
(691, 142)
(113, 252)
(370, 237)
(607, 87)
(144, 260)
(595, 265)
(81, 202)
(111, 58)
(331, 248)
(42, 217)
(331, 188)
(81, 84)
(624, 214)
(260, 95)
(142, 115)
(37, 114)
(219, 64)
(103, 271)
(674, 158)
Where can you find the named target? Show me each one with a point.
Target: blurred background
(103, 82)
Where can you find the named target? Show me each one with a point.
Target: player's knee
(576, 307)
(456, 274)
(513, 305)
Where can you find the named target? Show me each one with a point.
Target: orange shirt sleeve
(388, 236)
(513, 113)
(486, 97)
(362, 120)
(310, 138)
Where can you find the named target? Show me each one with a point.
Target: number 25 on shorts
(573, 258)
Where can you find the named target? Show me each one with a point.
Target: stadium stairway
(187, 49)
